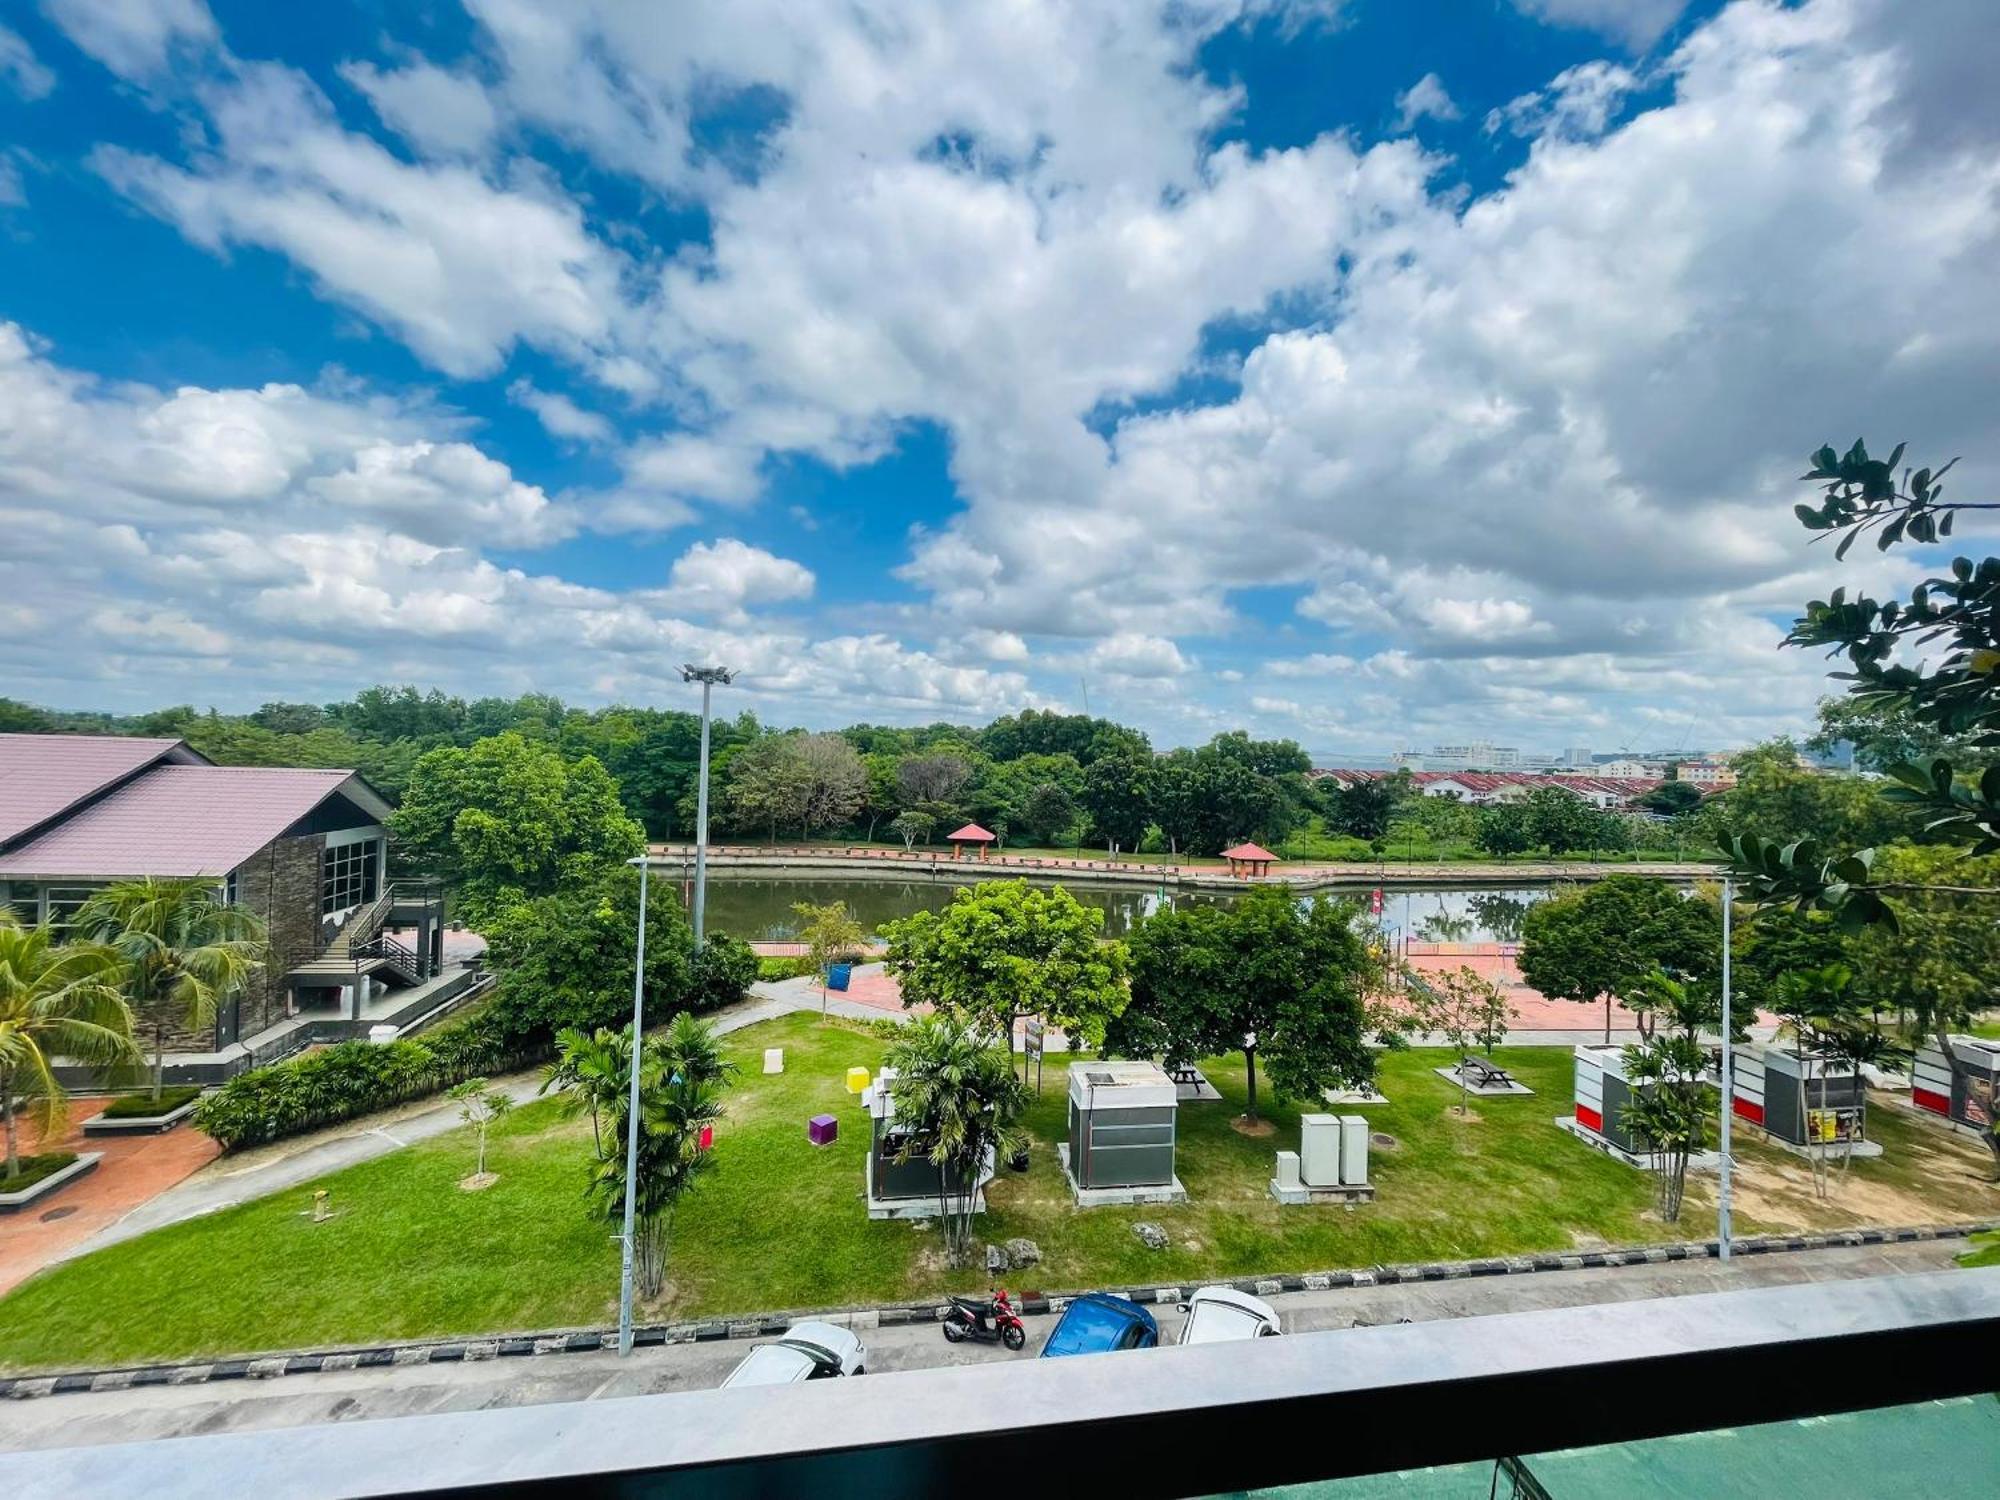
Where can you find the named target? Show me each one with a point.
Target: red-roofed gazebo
(1248, 859)
(971, 835)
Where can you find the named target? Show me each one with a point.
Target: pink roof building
(970, 836)
(1247, 860)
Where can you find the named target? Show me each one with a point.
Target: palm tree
(55, 1001)
(961, 1102)
(184, 953)
(590, 1074)
(680, 1093)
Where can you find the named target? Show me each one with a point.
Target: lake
(758, 908)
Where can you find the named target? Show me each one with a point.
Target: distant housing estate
(1486, 787)
(307, 850)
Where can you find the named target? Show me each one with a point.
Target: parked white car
(1217, 1314)
(808, 1351)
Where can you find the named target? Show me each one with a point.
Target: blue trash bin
(837, 975)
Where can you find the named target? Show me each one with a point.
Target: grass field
(781, 1224)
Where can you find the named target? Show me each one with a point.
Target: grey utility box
(1121, 1125)
(894, 1183)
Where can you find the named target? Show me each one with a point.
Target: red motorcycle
(992, 1320)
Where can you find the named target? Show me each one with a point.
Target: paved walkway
(143, 1413)
(135, 1169)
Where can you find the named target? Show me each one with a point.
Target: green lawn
(781, 1224)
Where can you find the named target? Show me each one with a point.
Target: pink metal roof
(971, 833)
(178, 820)
(41, 774)
(1253, 853)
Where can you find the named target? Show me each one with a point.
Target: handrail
(1309, 1406)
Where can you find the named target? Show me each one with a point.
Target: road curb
(272, 1366)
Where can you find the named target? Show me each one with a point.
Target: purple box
(822, 1130)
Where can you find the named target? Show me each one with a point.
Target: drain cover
(1383, 1139)
(58, 1213)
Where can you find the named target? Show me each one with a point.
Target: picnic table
(1482, 1074)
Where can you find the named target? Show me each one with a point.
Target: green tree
(831, 936)
(680, 1095)
(1464, 1007)
(1671, 1100)
(1364, 809)
(1048, 812)
(509, 819)
(1503, 829)
(1117, 793)
(1672, 797)
(1595, 942)
(182, 953)
(56, 1000)
(589, 1071)
(913, 828)
(1828, 1021)
(1003, 950)
(961, 1102)
(1269, 975)
(1561, 821)
(479, 1105)
(566, 959)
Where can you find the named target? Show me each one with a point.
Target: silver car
(807, 1351)
(1216, 1314)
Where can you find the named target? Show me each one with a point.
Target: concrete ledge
(1481, 1090)
(1360, 1192)
(140, 1124)
(1032, 1304)
(85, 1163)
(1118, 1197)
(1647, 1161)
(1835, 1150)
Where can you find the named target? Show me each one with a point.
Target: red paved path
(135, 1168)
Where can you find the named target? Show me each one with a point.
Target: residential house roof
(181, 820)
(43, 775)
(1485, 783)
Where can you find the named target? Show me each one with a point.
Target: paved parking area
(359, 1395)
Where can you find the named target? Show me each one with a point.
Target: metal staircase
(361, 947)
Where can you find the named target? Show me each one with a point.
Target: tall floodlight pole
(632, 1118)
(708, 677)
(1728, 1085)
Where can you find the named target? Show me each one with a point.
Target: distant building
(1484, 788)
(1478, 755)
(1626, 768)
(1577, 758)
(1707, 773)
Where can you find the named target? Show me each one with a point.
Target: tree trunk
(159, 1057)
(1607, 1018)
(7, 1124)
(649, 1255)
(1250, 1064)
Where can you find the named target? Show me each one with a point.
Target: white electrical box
(1353, 1150)
(1288, 1171)
(1319, 1150)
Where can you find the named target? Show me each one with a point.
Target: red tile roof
(178, 820)
(971, 833)
(1253, 853)
(41, 774)
(1493, 781)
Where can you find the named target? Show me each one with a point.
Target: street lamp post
(1728, 1104)
(644, 863)
(708, 677)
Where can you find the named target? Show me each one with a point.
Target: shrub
(357, 1078)
(145, 1107)
(35, 1169)
(720, 971)
(785, 967)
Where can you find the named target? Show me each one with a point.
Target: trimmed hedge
(35, 1169)
(350, 1079)
(143, 1107)
(355, 1078)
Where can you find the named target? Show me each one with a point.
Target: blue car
(1097, 1324)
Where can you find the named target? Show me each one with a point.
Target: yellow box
(857, 1080)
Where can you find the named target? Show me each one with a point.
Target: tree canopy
(1596, 942)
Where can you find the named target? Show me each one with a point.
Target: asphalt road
(358, 1395)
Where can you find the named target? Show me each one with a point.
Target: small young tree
(1671, 1097)
(479, 1105)
(588, 1074)
(1462, 1006)
(1831, 1030)
(961, 1102)
(912, 828)
(831, 937)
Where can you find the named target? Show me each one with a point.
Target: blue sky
(1365, 372)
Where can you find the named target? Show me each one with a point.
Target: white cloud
(724, 577)
(1426, 99)
(435, 110)
(442, 491)
(1637, 23)
(1578, 104)
(12, 193)
(20, 68)
(1129, 654)
(697, 468)
(135, 39)
(560, 415)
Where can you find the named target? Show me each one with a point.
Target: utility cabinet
(1121, 1125)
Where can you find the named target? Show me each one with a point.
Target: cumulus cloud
(1426, 99)
(1579, 103)
(1637, 23)
(434, 109)
(560, 415)
(724, 577)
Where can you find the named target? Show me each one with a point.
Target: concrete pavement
(140, 1414)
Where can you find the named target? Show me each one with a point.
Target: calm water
(759, 908)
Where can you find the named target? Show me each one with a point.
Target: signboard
(1830, 1125)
